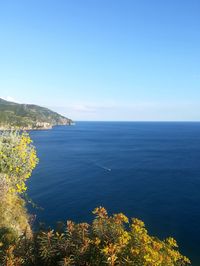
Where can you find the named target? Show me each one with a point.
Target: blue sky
(103, 59)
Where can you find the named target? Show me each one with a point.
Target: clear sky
(103, 59)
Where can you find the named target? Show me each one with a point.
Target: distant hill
(28, 116)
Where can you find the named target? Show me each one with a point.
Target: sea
(148, 170)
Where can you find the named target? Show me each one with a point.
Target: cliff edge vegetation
(28, 116)
(111, 240)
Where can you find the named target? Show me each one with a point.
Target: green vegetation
(108, 240)
(17, 160)
(28, 116)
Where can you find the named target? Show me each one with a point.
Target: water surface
(145, 170)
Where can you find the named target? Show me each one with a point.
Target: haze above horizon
(103, 60)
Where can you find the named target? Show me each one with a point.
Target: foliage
(17, 160)
(109, 240)
(13, 214)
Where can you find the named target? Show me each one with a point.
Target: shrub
(109, 240)
(17, 160)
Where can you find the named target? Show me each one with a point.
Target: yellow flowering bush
(17, 159)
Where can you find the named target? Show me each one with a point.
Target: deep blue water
(145, 170)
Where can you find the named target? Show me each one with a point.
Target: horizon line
(142, 121)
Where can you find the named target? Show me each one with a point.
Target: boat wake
(103, 167)
(106, 168)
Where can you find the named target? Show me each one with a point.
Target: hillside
(29, 116)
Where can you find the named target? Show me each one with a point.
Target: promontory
(29, 116)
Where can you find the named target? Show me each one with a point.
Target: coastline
(5, 128)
